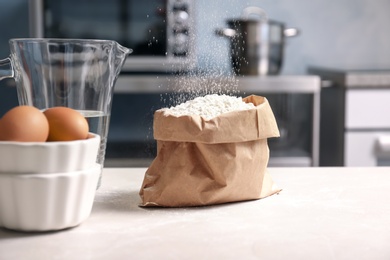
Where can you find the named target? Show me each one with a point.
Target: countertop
(352, 79)
(151, 84)
(321, 213)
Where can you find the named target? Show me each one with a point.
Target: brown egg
(66, 124)
(24, 124)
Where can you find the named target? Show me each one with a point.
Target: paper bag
(204, 162)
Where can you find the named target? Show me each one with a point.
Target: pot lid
(253, 15)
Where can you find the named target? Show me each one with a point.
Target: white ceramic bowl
(49, 157)
(45, 202)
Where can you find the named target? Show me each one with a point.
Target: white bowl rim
(51, 143)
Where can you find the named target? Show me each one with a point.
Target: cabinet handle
(383, 144)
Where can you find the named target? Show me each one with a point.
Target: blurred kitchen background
(341, 57)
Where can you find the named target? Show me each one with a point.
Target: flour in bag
(209, 106)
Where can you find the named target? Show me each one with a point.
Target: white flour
(209, 106)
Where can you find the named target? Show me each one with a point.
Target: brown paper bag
(204, 162)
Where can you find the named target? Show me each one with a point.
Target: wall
(345, 34)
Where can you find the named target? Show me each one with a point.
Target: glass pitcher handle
(6, 70)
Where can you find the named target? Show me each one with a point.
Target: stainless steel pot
(256, 43)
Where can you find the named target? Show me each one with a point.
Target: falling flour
(209, 106)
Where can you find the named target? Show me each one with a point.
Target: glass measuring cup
(75, 73)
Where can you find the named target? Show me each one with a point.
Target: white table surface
(322, 213)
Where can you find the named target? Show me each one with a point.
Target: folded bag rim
(236, 126)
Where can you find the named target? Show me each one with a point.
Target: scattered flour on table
(209, 106)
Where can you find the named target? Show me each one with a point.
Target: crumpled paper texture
(204, 162)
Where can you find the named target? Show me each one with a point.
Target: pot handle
(291, 32)
(226, 32)
(7, 71)
(248, 11)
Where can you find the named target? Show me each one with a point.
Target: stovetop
(353, 78)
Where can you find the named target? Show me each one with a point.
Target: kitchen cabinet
(355, 122)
